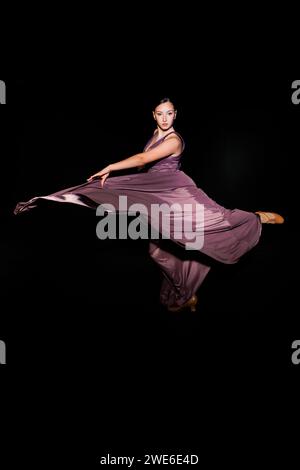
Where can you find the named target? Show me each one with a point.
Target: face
(164, 115)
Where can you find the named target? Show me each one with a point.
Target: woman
(226, 234)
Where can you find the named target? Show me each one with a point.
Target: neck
(161, 133)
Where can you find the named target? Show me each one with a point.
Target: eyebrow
(169, 110)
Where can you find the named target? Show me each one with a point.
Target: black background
(91, 354)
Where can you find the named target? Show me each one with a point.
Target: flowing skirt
(222, 234)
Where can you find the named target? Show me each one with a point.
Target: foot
(270, 218)
(191, 303)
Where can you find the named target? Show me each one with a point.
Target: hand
(103, 174)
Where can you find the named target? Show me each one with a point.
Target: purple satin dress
(227, 234)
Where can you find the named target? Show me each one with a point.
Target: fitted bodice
(166, 163)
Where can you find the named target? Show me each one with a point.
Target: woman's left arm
(167, 148)
(131, 162)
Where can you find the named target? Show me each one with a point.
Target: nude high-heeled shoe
(270, 217)
(191, 303)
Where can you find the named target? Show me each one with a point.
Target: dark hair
(164, 100)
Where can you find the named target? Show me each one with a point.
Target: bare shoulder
(175, 137)
(177, 141)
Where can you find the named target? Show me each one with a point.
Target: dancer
(226, 234)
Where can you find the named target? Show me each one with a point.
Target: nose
(164, 118)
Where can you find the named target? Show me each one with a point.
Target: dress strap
(164, 137)
(177, 133)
